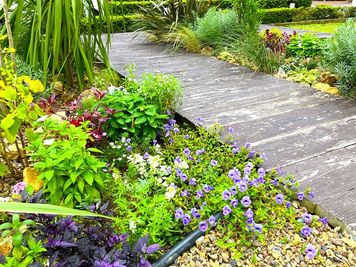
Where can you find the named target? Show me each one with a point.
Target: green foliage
(23, 68)
(70, 173)
(164, 91)
(306, 45)
(25, 248)
(273, 3)
(340, 57)
(247, 14)
(251, 51)
(280, 15)
(133, 115)
(217, 28)
(62, 36)
(166, 15)
(303, 75)
(328, 27)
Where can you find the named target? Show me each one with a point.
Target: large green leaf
(18, 207)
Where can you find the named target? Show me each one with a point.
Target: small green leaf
(89, 177)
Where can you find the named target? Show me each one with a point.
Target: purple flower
(258, 227)
(203, 226)
(128, 140)
(200, 151)
(184, 193)
(230, 129)
(152, 248)
(128, 148)
(311, 251)
(236, 180)
(300, 195)
(261, 180)
(234, 203)
(275, 182)
(247, 145)
(261, 172)
(186, 136)
(183, 177)
(179, 213)
(254, 182)
(235, 150)
(233, 190)
(186, 219)
(249, 213)
(169, 170)
(288, 204)
(226, 210)
(311, 195)
(207, 188)
(18, 188)
(190, 158)
(200, 194)
(195, 213)
(234, 173)
(171, 140)
(177, 160)
(226, 195)
(176, 130)
(154, 142)
(146, 155)
(212, 221)
(324, 220)
(213, 162)
(307, 218)
(178, 172)
(251, 154)
(249, 165)
(279, 199)
(193, 182)
(242, 187)
(306, 230)
(199, 119)
(186, 151)
(246, 201)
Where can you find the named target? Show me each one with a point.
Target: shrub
(69, 171)
(340, 55)
(306, 45)
(247, 14)
(284, 3)
(217, 28)
(280, 15)
(275, 40)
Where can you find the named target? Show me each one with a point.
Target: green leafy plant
(132, 115)
(25, 248)
(17, 110)
(303, 75)
(69, 170)
(166, 15)
(339, 57)
(306, 45)
(62, 35)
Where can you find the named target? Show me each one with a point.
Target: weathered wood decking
(309, 133)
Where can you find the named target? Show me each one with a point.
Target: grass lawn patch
(317, 27)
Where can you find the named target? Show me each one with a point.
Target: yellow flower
(34, 85)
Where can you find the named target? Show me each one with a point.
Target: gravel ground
(282, 248)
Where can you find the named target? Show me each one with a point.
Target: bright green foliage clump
(306, 45)
(70, 172)
(340, 57)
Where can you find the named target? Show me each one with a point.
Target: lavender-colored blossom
(199, 119)
(154, 142)
(288, 204)
(207, 188)
(300, 195)
(128, 140)
(247, 171)
(251, 154)
(279, 199)
(172, 122)
(261, 180)
(186, 219)
(324, 220)
(233, 190)
(128, 148)
(258, 227)
(230, 129)
(275, 182)
(170, 140)
(203, 226)
(307, 218)
(242, 187)
(226, 210)
(183, 177)
(18, 188)
(249, 213)
(311, 251)
(176, 130)
(146, 155)
(179, 213)
(200, 151)
(200, 194)
(193, 182)
(246, 201)
(234, 173)
(236, 180)
(186, 136)
(177, 160)
(152, 248)
(247, 145)
(190, 158)
(261, 172)
(213, 162)
(195, 213)
(311, 195)
(184, 193)
(212, 221)
(186, 151)
(254, 182)
(178, 172)
(235, 150)
(306, 230)
(168, 170)
(234, 203)
(250, 220)
(226, 195)
(249, 165)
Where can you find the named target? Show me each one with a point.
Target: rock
(213, 256)
(30, 177)
(336, 242)
(256, 243)
(349, 242)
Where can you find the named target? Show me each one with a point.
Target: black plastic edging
(184, 245)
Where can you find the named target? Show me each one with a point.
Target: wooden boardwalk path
(310, 134)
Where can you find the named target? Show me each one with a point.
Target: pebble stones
(283, 247)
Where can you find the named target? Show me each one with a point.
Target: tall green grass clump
(340, 57)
